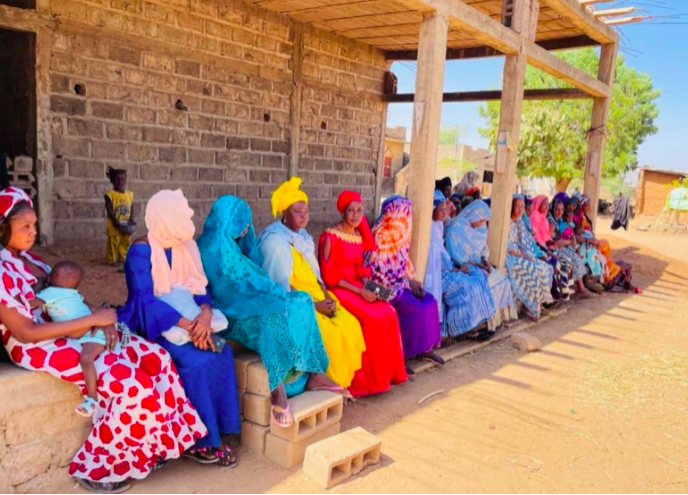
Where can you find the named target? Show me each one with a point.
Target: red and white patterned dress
(143, 412)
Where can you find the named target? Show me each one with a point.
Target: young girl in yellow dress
(119, 205)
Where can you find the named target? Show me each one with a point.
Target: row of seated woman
(316, 316)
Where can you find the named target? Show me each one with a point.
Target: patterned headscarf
(238, 284)
(344, 200)
(464, 242)
(9, 198)
(287, 194)
(169, 224)
(390, 264)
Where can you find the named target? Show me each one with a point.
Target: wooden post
(380, 170)
(504, 183)
(597, 134)
(427, 110)
(296, 99)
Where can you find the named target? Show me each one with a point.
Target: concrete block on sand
(241, 364)
(253, 436)
(290, 454)
(338, 458)
(525, 342)
(313, 411)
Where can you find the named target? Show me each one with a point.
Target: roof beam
(496, 95)
(614, 12)
(17, 19)
(583, 19)
(627, 20)
(488, 51)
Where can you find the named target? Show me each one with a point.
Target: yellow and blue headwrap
(287, 194)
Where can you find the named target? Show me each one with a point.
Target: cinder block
(257, 382)
(336, 459)
(290, 454)
(253, 436)
(241, 364)
(313, 412)
(257, 409)
(242, 399)
(525, 342)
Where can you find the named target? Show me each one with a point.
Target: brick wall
(232, 66)
(653, 191)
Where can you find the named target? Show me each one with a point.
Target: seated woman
(587, 247)
(615, 274)
(531, 278)
(289, 260)
(444, 186)
(391, 267)
(466, 241)
(133, 381)
(278, 325)
(165, 262)
(561, 239)
(341, 250)
(464, 289)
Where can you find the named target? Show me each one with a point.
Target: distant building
(653, 190)
(396, 157)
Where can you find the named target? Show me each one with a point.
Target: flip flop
(106, 488)
(282, 410)
(334, 388)
(87, 408)
(196, 456)
(433, 358)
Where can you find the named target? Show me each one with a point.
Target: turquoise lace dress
(280, 326)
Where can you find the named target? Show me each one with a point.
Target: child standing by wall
(119, 204)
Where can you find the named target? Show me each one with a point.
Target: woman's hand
(326, 307)
(111, 336)
(417, 288)
(103, 317)
(368, 296)
(201, 324)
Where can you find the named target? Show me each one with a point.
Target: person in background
(470, 179)
(445, 187)
(289, 259)
(119, 205)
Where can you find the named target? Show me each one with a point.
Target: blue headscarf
(464, 242)
(438, 198)
(240, 288)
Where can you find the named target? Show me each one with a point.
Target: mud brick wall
(118, 68)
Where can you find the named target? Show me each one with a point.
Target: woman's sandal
(95, 487)
(433, 358)
(87, 408)
(159, 464)
(336, 389)
(286, 411)
(226, 457)
(203, 455)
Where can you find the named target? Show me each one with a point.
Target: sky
(660, 50)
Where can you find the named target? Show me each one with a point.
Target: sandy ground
(601, 408)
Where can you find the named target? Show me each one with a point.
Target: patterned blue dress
(208, 377)
(280, 326)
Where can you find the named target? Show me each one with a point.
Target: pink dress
(143, 412)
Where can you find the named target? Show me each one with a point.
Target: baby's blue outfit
(63, 304)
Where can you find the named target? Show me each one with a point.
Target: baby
(62, 301)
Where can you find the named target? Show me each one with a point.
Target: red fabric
(383, 361)
(344, 200)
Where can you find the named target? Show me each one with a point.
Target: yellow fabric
(286, 195)
(121, 206)
(117, 247)
(341, 335)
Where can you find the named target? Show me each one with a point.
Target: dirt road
(601, 408)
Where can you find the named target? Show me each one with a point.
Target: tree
(554, 134)
(451, 135)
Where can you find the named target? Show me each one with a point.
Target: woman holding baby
(168, 303)
(143, 416)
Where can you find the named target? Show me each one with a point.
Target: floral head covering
(390, 264)
(464, 242)
(9, 199)
(287, 194)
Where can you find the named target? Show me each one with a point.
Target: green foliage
(554, 134)
(451, 135)
(682, 182)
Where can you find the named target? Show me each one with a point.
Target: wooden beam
(296, 98)
(380, 170)
(547, 62)
(22, 19)
(583, 19)
(585, 3)
(488, 51)
(427, 111)
(524, 22)
(496, 95)
(614, 12)
(597, 134)
(627, 20)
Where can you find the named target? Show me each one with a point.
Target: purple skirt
(419, 321)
